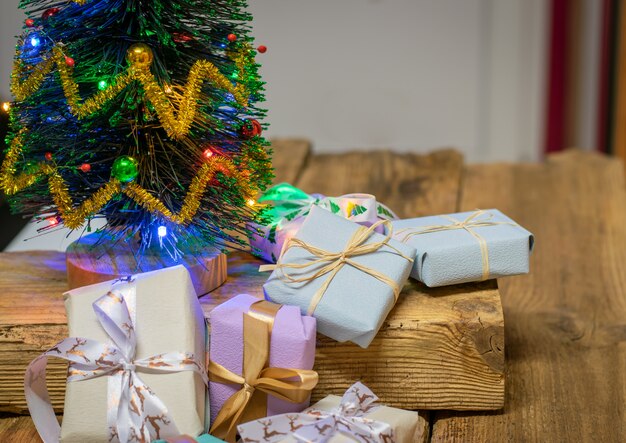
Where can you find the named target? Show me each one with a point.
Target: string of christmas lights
(176, 122)
(141, 111)
(74, 217)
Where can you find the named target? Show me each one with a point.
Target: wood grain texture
(290, 158)
(566, 321)
(32, 319)
(617, 139)
(16, 429)
(412, 185)
(97, 258)
(439, 348)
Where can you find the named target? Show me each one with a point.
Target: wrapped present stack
(145, 367)
(151, 122)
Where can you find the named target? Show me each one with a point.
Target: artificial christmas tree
(140, 111)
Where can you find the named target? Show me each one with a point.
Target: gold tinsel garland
(74, 217)
(176, 122)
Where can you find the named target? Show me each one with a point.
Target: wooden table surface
(565, 323)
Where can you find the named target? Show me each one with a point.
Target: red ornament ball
(85, 167)
(69, 61)
(30, 22)
(182, 37)
(232, 37)
(251, 128)
(48, 156)
(262, 49)
(49, 13)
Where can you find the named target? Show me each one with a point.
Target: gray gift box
(449, 246)
(355, 303)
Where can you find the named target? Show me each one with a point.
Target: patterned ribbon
(332, 262)
(134, 412)
(258, 380)
(289, 202)
(287, 206)
(317, 426)
(478, 219)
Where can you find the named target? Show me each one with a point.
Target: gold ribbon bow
(335, 261)
(258, 380)
(468, 224)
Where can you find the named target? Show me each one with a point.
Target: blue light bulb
(162, 231)
(35, 41)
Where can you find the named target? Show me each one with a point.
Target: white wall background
(407, 74)
(412, 75)
(403, 74)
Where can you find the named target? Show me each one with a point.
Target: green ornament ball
(125, 169)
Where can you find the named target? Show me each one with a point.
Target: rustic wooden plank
(566, 324)
(423, 356)
(90, 260)
(18, 430)
(32, 319)
(411, 184)
(21, 286)
(439, 348)
(289, 158)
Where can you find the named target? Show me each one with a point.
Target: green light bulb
(125, 169)
(102, 85)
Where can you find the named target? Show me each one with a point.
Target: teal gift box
(465, 247)
(345, 275)
(204, 438)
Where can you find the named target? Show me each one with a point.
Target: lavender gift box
(355, 303)
(465, 247)
(292, 345)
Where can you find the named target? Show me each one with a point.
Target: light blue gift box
(355, 303)
(453, 254)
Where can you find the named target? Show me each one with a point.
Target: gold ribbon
(258, 380)
(468, 225)
(334, 261)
